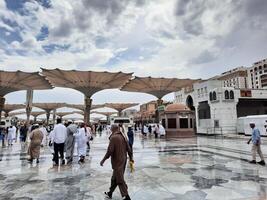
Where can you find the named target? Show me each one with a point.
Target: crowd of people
(153, 129)
(63, 138)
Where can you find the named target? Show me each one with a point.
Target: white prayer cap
(252, 122)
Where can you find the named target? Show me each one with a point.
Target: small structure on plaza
(178, 120)
(11, 107)
(87, 82)
(158, 87)
(48, 107)
(120, 106)
(18, 80)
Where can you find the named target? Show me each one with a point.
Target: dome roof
(176, 107)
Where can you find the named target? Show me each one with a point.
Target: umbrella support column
(2, 103)
(47, 117)
(29, 97)
(88, 104)
(54, 116)
(159, 103)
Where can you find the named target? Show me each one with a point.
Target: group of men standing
(157, 129)
(63, 139)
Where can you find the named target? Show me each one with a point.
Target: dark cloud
(190, 12)
(110, 9)
(204, 57)
(85, 11)
(64, 29)
(181, 7)
(256, 8)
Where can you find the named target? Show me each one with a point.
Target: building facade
(257, 75)
(217, 108)
(129, 113)
(236, 78)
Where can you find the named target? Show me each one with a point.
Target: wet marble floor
(193, 168)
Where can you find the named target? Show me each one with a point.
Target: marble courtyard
(194, 168)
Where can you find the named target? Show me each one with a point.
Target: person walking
(59, 137)
(156, 131)
(23, 133)
(145, 130)
(36, 137)
(117, 150)
(45, 134)
(130, 135)
(162, 131)
(70, 141)
(3, 136)
(11, 134)
(256, 144)
(82, 139)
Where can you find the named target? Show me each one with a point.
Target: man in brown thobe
(117, 150)
(36, 137)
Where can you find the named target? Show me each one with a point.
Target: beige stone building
(257, 75)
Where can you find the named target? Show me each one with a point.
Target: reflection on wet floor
(190, 168)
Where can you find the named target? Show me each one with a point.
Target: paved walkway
(194, 168)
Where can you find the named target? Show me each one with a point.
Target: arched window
(214, 96)
(226, 94)
(232, 95)
(211, 96)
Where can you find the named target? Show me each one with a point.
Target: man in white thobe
(59, 138)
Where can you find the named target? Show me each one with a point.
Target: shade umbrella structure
(78, 112)
(12, 114)
(62, 114)
(87, 82)
(76, 106)
(97, 106)
(104, 113)
(35, 114)
(11, 107)
(120, 106)
(18, 80)
(158, 87)
(82, 106)
(48, 107)
(107, 114)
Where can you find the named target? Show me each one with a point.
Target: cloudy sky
(170, 38)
